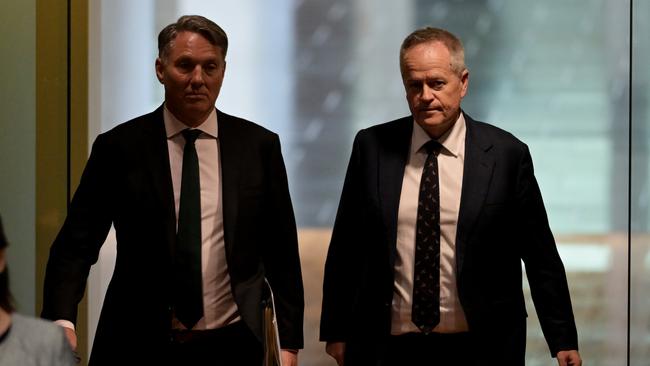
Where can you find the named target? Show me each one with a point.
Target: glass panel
(18, 149)
(640, 254)
(554, 73)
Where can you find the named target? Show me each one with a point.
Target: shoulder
(490, 131)
(39, 331)
(39, 342)
(487, 135)
(241, 123)
(139, 126)
(389, 128)
(386, 133)
(131, 134)
(243, 128)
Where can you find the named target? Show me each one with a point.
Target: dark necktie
(189, 289)
(426, 280)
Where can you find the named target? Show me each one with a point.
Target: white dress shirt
(450, 167)
(219, 307)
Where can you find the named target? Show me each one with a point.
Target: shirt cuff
(65, 323)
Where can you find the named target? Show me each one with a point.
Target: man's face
(192, 73)
(433, 90)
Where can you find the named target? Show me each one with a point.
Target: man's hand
(569, 358)
(289, 358)
(336, 350)
(72, 337)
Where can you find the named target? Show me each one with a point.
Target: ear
(160, 70)
(464, 80)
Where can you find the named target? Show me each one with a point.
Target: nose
(197, 76)
(427, 94)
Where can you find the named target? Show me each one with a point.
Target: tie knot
(432, 146)
(191, 135)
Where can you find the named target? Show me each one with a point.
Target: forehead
(191, 43)
(429, 57)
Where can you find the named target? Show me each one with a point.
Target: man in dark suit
(436, 214)
(201, 209)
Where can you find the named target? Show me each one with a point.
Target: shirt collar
(174, 126)
(451, 141)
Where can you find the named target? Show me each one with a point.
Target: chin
(431, 122)
(200, 108)
(435, 128)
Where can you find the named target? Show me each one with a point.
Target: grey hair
(195, 24)
(430, 34)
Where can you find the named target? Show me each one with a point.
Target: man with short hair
(437, 212)
(200, 204)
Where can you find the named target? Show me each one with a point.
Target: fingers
(569, 358)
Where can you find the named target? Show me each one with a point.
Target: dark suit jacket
(127, 183)
(502, 220)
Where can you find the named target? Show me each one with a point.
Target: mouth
(430, 110)
(195, 96)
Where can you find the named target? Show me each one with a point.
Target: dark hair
(195, 24)
(430, 34)
(3, 239)
(6, 300)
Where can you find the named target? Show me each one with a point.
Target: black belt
(433, 335)
(183, 336)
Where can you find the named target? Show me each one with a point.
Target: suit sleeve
(544, 268)
(281, 260)
(77, 245)
(342, 257)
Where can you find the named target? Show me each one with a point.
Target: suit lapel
(157, 158)
(229, 155)
(477, 174)
(393, 154)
